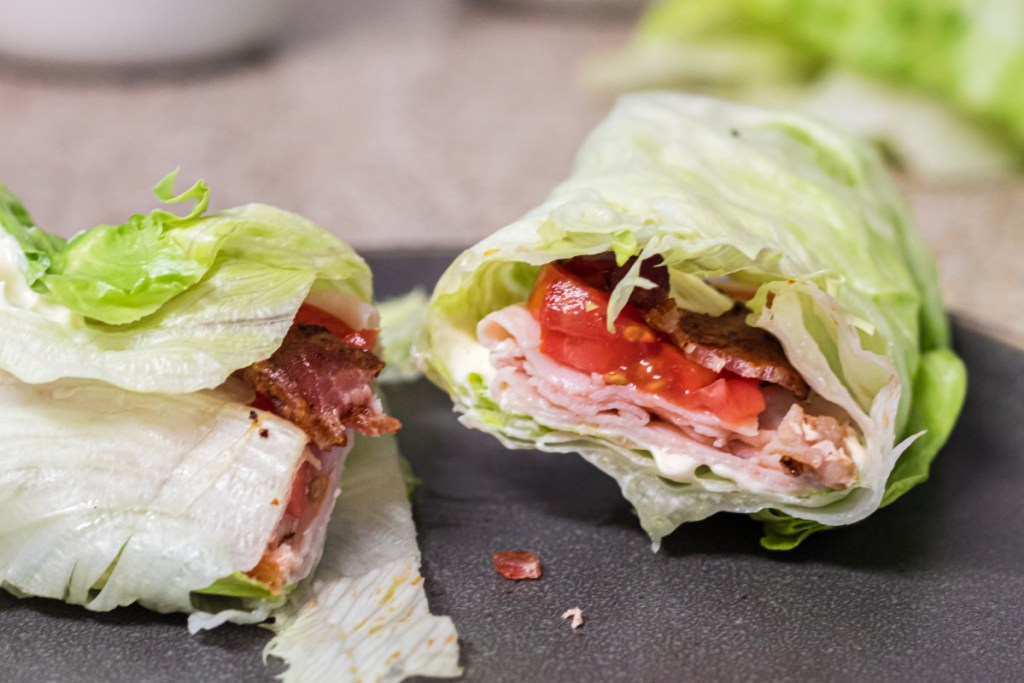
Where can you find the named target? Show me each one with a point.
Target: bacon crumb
(517, 564)
(264, 433)
(577, 617)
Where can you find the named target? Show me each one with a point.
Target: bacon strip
(323, 385)
(727, 342)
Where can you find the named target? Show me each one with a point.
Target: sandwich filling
(320, 379)
(705, 395)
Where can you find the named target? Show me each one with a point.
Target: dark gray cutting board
(931, 588)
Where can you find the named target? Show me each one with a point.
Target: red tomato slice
(573, 320)
(361, 339)
(733, 398)
(299, 498)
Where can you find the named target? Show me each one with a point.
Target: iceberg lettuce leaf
(940, 387)
(118, 274)
(169, 303)
(109, 497)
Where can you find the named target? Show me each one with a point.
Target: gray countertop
(427, 123)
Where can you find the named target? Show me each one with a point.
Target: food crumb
(517, 564)
(264, 433)
(253, 416)
(577, 617)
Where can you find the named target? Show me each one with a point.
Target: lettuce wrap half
(180, 394)
(562, 331)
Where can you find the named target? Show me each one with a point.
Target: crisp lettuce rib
(804, 214)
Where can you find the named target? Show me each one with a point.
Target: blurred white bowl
(135, 32)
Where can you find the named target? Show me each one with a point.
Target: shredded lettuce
(938, 82)
(805, 215)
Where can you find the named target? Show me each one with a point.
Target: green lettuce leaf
(940, 388)
(42, 251)
(168, 303)
(802, 213)
(238, 585)
(117, 274)
(961, 61)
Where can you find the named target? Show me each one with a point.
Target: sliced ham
(781, 451)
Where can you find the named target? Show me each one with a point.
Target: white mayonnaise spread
(15, 291)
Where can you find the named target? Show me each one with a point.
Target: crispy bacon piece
(726, 342)
(517, 564)
(323, 385)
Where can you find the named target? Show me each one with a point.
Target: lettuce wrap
(181, 393)
(939, 82)
(830, 384)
